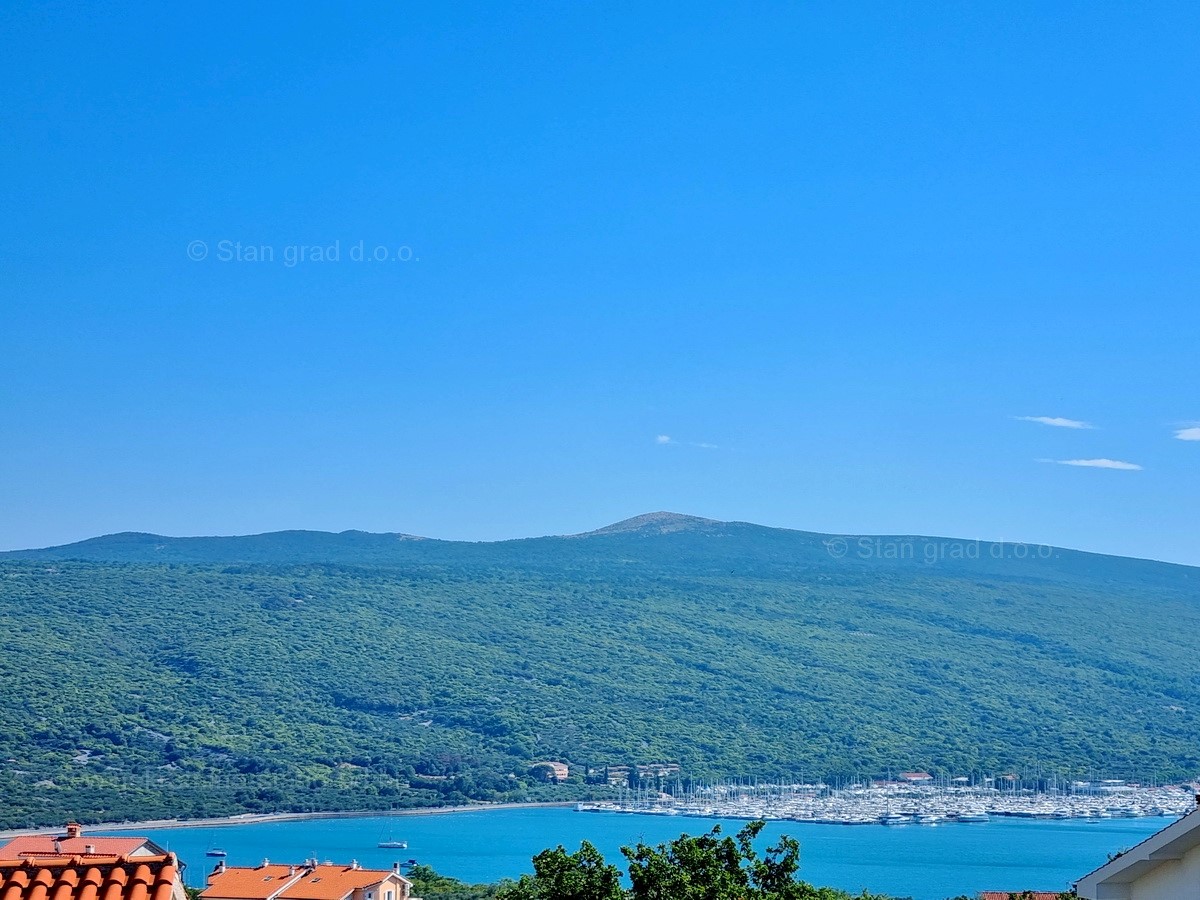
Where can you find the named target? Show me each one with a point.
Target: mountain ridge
(374, 547)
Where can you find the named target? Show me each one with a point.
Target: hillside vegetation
(147, 676)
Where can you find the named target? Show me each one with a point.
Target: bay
(922, 862)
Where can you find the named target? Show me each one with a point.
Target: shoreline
(260, 818)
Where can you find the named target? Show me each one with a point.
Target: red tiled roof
(328, 882)
(322, 882)
(1005, 895)
(240, 882)
(49, 845)
(92, 877)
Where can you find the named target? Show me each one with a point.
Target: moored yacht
(974, 817)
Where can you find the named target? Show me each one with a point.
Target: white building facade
(1165, 866)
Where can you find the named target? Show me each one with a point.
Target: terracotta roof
(266, 882)
(1023, 895)
(327, 882)
(45, 845)
(91, 877)
(241, 882)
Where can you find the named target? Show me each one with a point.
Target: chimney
(220, 867)
(89, 849)
(354, 865)
(266, 862)
(57, 846)
(291, 870)
(74, 830)
(395, 868)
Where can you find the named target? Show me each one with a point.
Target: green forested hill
(148, 676)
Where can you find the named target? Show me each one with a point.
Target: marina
(907, 803)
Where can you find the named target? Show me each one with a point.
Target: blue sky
(833, 253)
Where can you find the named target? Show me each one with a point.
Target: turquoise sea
(924, 862)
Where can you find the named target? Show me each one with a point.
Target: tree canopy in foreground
(705, 867)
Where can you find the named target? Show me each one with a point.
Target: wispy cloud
(1096, 464)
(667, 439)
(1190, 433)
(1055, 421)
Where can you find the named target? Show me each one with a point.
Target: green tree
(710, 867)
(559, 875)
(428, 883)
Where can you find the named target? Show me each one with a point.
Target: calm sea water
(924, 862)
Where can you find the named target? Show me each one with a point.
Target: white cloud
(667, 439)
(1055, 421)
(1096, 464)
(1191, 433)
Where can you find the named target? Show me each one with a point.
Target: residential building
(1165, 866)
(72, 867)
(616, 774)
(73, 842)
(658, 770)
(556, 771)
(308, 881)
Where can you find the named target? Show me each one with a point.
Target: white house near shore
(1165, 866)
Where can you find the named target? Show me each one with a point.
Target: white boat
(393, 845)
(974, 817)
(894, 819)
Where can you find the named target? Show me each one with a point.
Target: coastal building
(73, 842)
(916, 777)
(658, 770)
(1165, 866)
(555, 771)
(72, 867)
(616, 774)
(308, 881)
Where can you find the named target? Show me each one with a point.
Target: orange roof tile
(1032, 895)
(243, 883)
(50, 845)
(334, 882)
(322, 882)
(93, 877)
